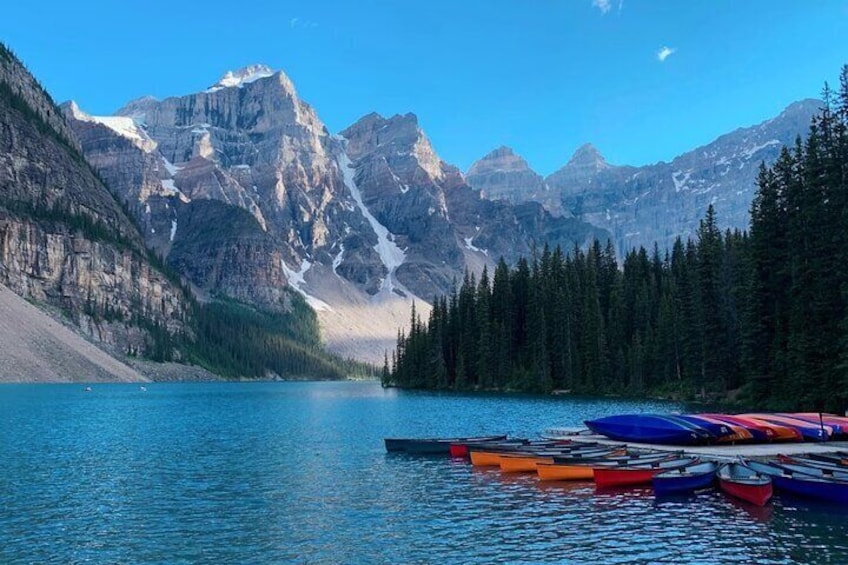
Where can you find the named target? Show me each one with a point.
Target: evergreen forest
(756, 318)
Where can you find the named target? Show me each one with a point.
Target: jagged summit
(242, 76)
(138, 108)
(500, 152)
(587, 155)
(504, 175)
(71, 107)
(501, 159)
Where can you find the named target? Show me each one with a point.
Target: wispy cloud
(665, 52)
(300, 23)
(603, 5)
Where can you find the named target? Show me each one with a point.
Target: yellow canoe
(564, 472)
(510, 463)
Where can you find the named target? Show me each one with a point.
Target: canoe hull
(758, 494)
(742, 482)
(810, 432)
(559, 472)
(649, 428)
(802, 484)
(521, 464)
(637, 474)
(612, 477)
(431, 446)
(685, 480)
(822, 490)
(762, 431)
(485, 458)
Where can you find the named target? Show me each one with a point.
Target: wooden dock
(729, 451)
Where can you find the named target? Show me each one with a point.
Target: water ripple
(296, 473)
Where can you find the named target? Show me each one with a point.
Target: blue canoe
(650, 428)
(803, 483)
(686, 479)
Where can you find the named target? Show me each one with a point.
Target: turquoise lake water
(297, 473)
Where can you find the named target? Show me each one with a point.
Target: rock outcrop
(64, 239)
(441, 222)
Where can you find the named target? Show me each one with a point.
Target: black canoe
(432, 446)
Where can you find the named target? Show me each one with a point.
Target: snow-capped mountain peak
(124, 126)
(241, 77)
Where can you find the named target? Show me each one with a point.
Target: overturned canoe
(728, 432)
(650, 428)
(762, 431)
(838, 424)
(810, 431)
(742, 482)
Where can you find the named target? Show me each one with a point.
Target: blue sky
(542, 76)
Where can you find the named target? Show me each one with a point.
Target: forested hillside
(756, 317)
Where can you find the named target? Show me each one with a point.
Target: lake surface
(297, 473)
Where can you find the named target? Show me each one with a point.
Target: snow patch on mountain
(241, 77)
(750, 151)
(297, 281)
(125, 127)
(469, 245)
(337, 260)
(390, 254)
(680, 183)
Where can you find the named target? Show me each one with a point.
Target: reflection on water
(297, 472)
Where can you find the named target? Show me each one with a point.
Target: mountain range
(243, 190)
(244, 193)
(641, 206)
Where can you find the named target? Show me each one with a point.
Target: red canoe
(631, 475)
(744, 483)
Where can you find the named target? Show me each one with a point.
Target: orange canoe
(564, 472)
(486, 458)
(510, 463)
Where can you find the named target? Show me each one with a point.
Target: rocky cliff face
(442, 223)
(375, 207)
(250, 144)
(64, 240)
(657, 203)
(245, 191)
(504, 175)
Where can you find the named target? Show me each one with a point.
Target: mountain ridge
(658, 202)
(369, 218)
